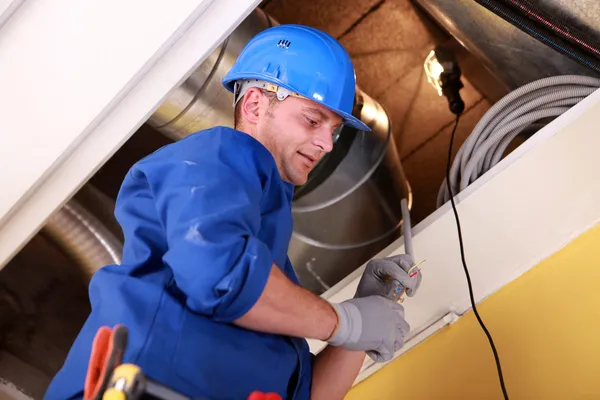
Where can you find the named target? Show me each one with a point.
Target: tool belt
(109, 379)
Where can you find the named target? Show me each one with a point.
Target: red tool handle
(264, 396)
(107, 353)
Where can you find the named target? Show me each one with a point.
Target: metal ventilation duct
(515, 57)
(354, 212)
(83, 237)
(201, 102)
(85, 230)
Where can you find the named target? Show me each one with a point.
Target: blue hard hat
(306, 62)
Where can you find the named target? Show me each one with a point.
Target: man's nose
(324, 139)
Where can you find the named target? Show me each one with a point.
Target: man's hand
(372, 282)
(370, 322)
(373, 324)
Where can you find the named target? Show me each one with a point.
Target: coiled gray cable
(505, 120)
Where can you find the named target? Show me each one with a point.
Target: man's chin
(295, 176)
(299, 179)
(300, 182)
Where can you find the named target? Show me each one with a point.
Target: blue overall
(204, 219)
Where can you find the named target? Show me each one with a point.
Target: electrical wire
(537, 103)
(532, 105)
(464, 262)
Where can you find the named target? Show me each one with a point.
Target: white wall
(7, 9)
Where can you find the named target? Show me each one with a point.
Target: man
(212, 304)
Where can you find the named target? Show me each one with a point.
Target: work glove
(373, 324)
(373, 282)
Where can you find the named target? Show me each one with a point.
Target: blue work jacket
(204, 219)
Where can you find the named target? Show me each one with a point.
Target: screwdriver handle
(395, 290)
(407, 229)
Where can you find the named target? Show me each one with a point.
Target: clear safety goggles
(241, 87)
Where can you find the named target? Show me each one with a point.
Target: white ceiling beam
(82, 77)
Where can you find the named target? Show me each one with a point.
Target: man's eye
(311, 122)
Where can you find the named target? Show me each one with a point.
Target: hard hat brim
(351, 121)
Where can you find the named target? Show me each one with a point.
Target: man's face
(298, 133)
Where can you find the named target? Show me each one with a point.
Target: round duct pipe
(83, 237)
(201, 102)
(355, 212)
(349, 209)
(512, 55)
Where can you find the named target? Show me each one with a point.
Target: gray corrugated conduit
(534, 103)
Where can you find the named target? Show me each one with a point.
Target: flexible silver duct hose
(83, 238)
(515, 112)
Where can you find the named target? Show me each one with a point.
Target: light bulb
(433, 71)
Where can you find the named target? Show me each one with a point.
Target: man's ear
(250, 107)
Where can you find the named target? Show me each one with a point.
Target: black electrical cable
(464, 262)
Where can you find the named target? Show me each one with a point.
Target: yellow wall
(546, 326)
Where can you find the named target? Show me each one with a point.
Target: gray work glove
(372, 282)
(373, 324)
